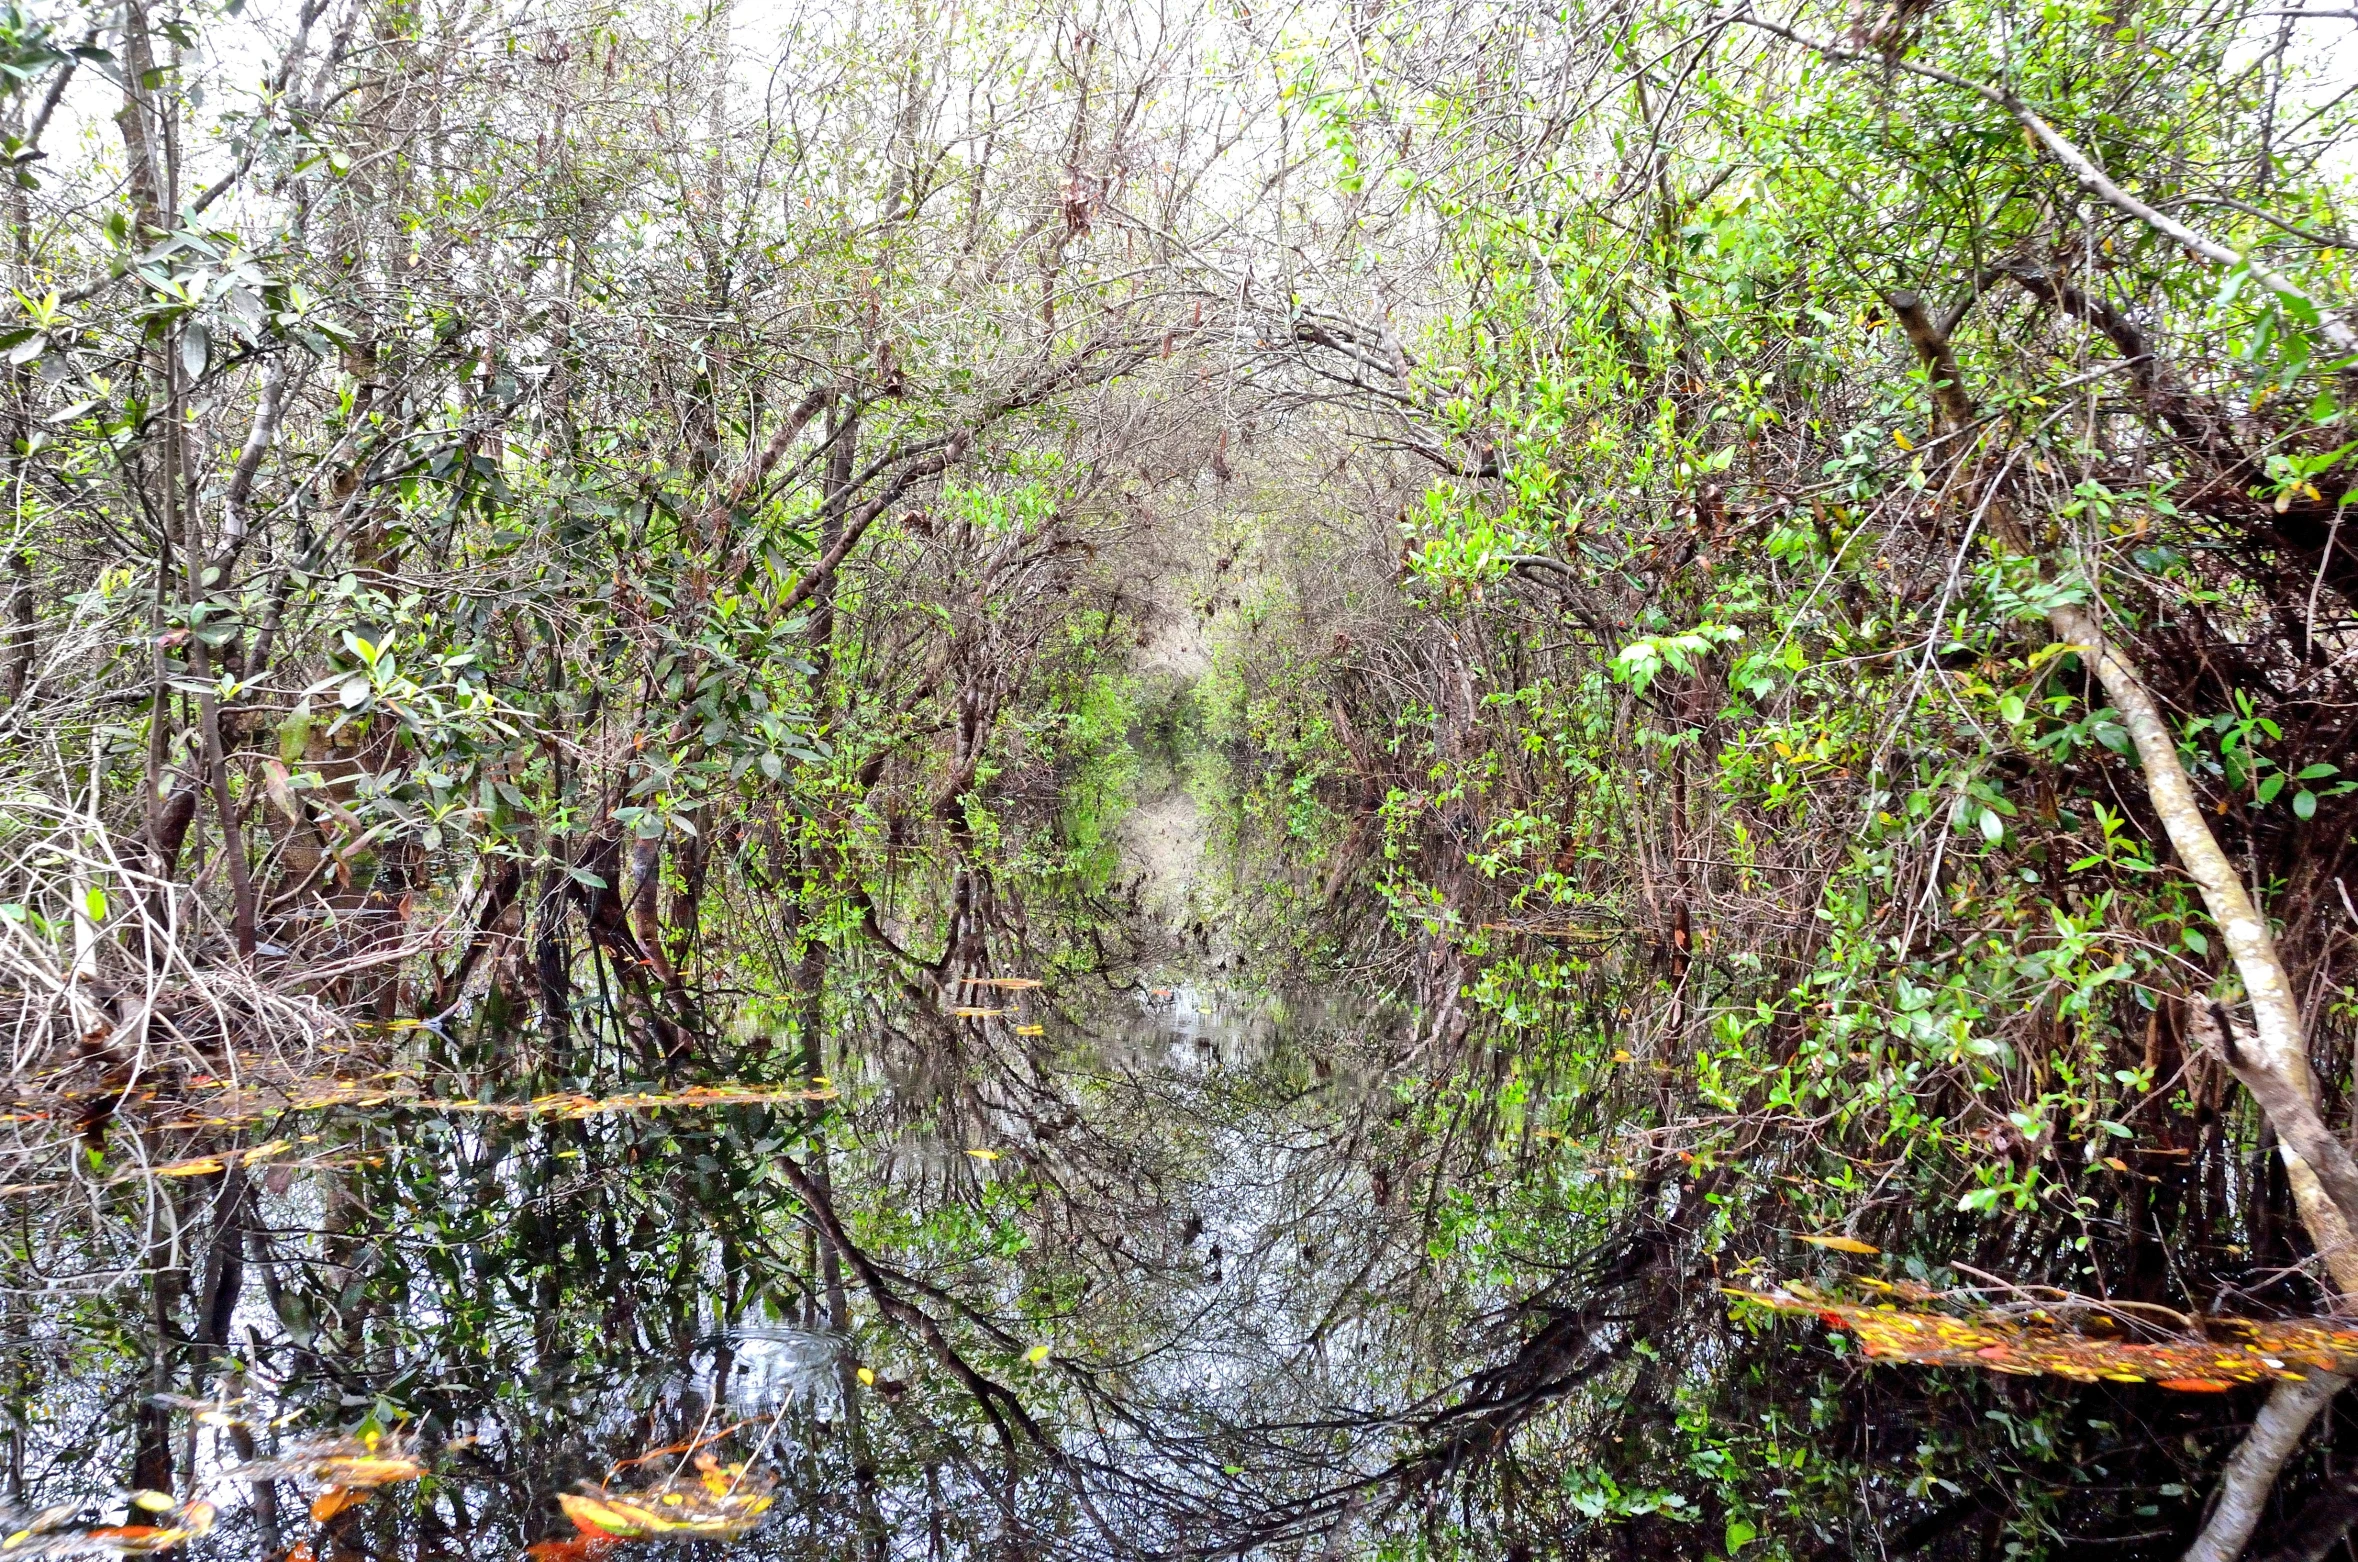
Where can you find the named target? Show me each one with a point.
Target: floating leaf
(354, 1464)
(1843, 1245)
(722, 1503)
(586, 1546)
(335, 1500)
(48, 1535)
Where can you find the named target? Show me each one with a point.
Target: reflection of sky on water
(1238, 1096)
(771, 1370)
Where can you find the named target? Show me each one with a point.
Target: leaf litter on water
(348, 1470)
(52, 1533)
(721, 1502)
(2222, 1354)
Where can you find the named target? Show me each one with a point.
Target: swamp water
(1104, 1246)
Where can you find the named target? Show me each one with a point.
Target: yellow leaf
(1842, 1244)
(1621, 1055)
(282, 794)
(637, 1518)
(1031, 1030)
(1902, 440)
(1036, 1354)
(369, 1471)
(984, 1155)
(867, 1374)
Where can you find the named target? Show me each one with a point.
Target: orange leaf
(582, 1548)
(335, 1500)
(2195, 1385)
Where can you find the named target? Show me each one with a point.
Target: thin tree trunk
(2273, 1059)
(2251, 1472)
(2273, 1062)
(2274, 1066)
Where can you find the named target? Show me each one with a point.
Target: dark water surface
(1159, 1256)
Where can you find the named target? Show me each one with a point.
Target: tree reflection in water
(1144, 1261)
(1158, 1279)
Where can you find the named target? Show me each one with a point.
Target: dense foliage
(1737, 622)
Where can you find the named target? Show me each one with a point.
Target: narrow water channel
(1091, 1235)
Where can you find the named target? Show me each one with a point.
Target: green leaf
(196, 349)
(2305, 804)
(1741, 1533)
